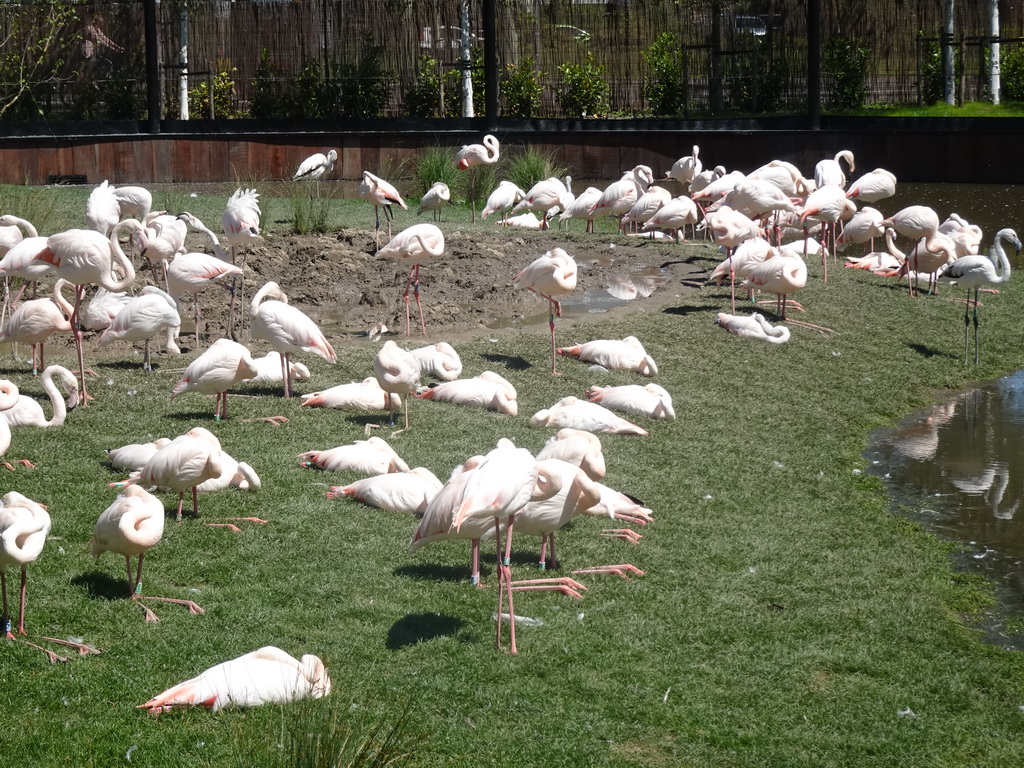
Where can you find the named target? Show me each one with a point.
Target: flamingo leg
(197, 316)
(474, 575)
(146, 365)
(181, 500)
(286, 369)
(975, 326)
(405, 298)
(195, 499)
(732, 283)
(506, 574)
(5, 623)
(419, 306)
(76, 329)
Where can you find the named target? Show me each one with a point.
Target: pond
(957, 468)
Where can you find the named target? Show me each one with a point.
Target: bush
(223, 96)
(584, 91)
(532, 165)
(423, 98)
(845, 70)
(665, 90)
(338, 89)
(1011, 83)
(521, 89)
(268, 96)
(758, 83)
(435, 164)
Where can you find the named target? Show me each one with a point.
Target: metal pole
(152, 66)
(183, 61)
(490, 32)
(994, 64)
(948, 76)
(467, 62)
(814, 64)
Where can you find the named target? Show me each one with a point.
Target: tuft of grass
(311, 207)
(41, 206)
(432, 165)
(526, 168)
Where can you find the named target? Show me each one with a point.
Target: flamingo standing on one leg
(185, 463)
(84, 257)
(414, 245)
(193, 273)
(550, 275)
(472, 155)
(35, 320)
(152, 312)
(287, 329)
(131, 526)
(382, 195)
(973, 272)
(504, 197)
(241, 221)
(316, 166)
(397, 372)
(222, 366)
(434, 199)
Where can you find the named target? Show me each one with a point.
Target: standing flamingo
(397, 372)
(133, 201)
(502, 199)
(874, 186)
(673, 217)
(28, 412)
(287, 329)
(84, 257)
(316, 166)
(183, 464)
(413, 245)
(973, 272)
(828, 205)
(382, 195)
(686, 167)
(619, 196)
(472, 155)
(193, 273)
(550, 275)
(222, 366)
(434, 199)
(131, 526)
(34, 321)
(781, 275)
(830, 173)
(544, 195)
(580, 207)
(102, 209)
(241, 222)
(152, 312)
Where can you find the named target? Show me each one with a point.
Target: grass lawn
(786, 616)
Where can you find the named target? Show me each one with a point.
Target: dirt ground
(339, 282)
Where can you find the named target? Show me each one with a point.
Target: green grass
(786, 617)
(970, 109)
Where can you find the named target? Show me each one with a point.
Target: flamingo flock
(503, 491)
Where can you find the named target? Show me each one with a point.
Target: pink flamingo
(222, 366)
(194, 273)
(316, 166)
(502, 199)
(131, 526)
(473, 155)
(550, 275)
(627, 354)
(412, 246)
(241, 222)
(408, 491)
(150, 313)
(398, 373)
(27, 411)
(829, 173)
(874, 186)
(183, 464)
(381, 194)
(488, 390)
(34, 321)
(686, 167)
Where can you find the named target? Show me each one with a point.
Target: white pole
(467, 60)
(994, 67)
(183, 61)
(948, 76)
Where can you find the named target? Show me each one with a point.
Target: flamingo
(830, 173)
(488, 390)
(131, 526)
(382, 195)
(164, 239)
(270, 369)
(730, 228)
(372, 456)
(12, 231)
(973, 272)
(552, 274)
(265, 676)
(28, 412)
(503, 482)
(365, 395)
(8, 398)
(874, 186)
(233, 474)
(828, 205)
(544, 195)
(434, 199)
(102, 209)
(183, 464)
(34, 321)
(717, 188)
(408, 491)
(527, 220)
(286, 329)
(133, 456)
(673, 216)
(133, 201)
(412, 246)
(222, 366)
(863, 227)
(781, 275)
(757, 197)
(194, 273)
(316, 166)
(241, 222)
(84, 257)
(753, 327)
(580, 414)
(786, 176)
(473, 155)
(703, 179)
(438, 360)
(686, 168)
(398, 373)
(649, 203)
(619, 196)
(152, 312)
(580, 207)
(578, 447)
(743, 257)
(502, 199)
(914, 222)
(625, 355)
(651, 400)
(24, 526)
(19, 245)
(103, 308)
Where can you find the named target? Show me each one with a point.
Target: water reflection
(958, 468)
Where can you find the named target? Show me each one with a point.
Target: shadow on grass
(419, 627)
(686, 309)
(435, 572)
(102, 586)
(926, 351)
(511, 362)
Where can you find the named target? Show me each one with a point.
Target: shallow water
(957, 468)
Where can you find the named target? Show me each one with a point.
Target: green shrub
(532, 165)
(521, 89)
(268, 97)
(423, 97)
(435, 164)
(584, 91)
(223, 96)
(664, 88)
(845, 70)
(1011, 83)
(337, 89)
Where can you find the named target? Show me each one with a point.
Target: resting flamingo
(673, 217)
(150, 313)
(627, 354)
(828, 205)
(365, 395)
(781, 275)
(874, 186)
(36, 320)
(398, 373)
(222, 366)
(552, 274)
(316, 166)
(183, 464)
(131, 526)
(287, 329)
(372, 456)
(651, 400)
(28, 412)
(8, 398)
(578, 447)
(686, 167)
(580, 207)
(408, 491)
(581, 414)
(974, 272)
(412, 246)
(487, 390)
(438, 360)
(84, 257)
(830, 173)
(434, 199)
(502, 199)
(381, 194)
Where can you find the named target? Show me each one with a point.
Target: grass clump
(432, 165)
(311, 207)
(526, 168)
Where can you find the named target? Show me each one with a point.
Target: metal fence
(396, 58)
